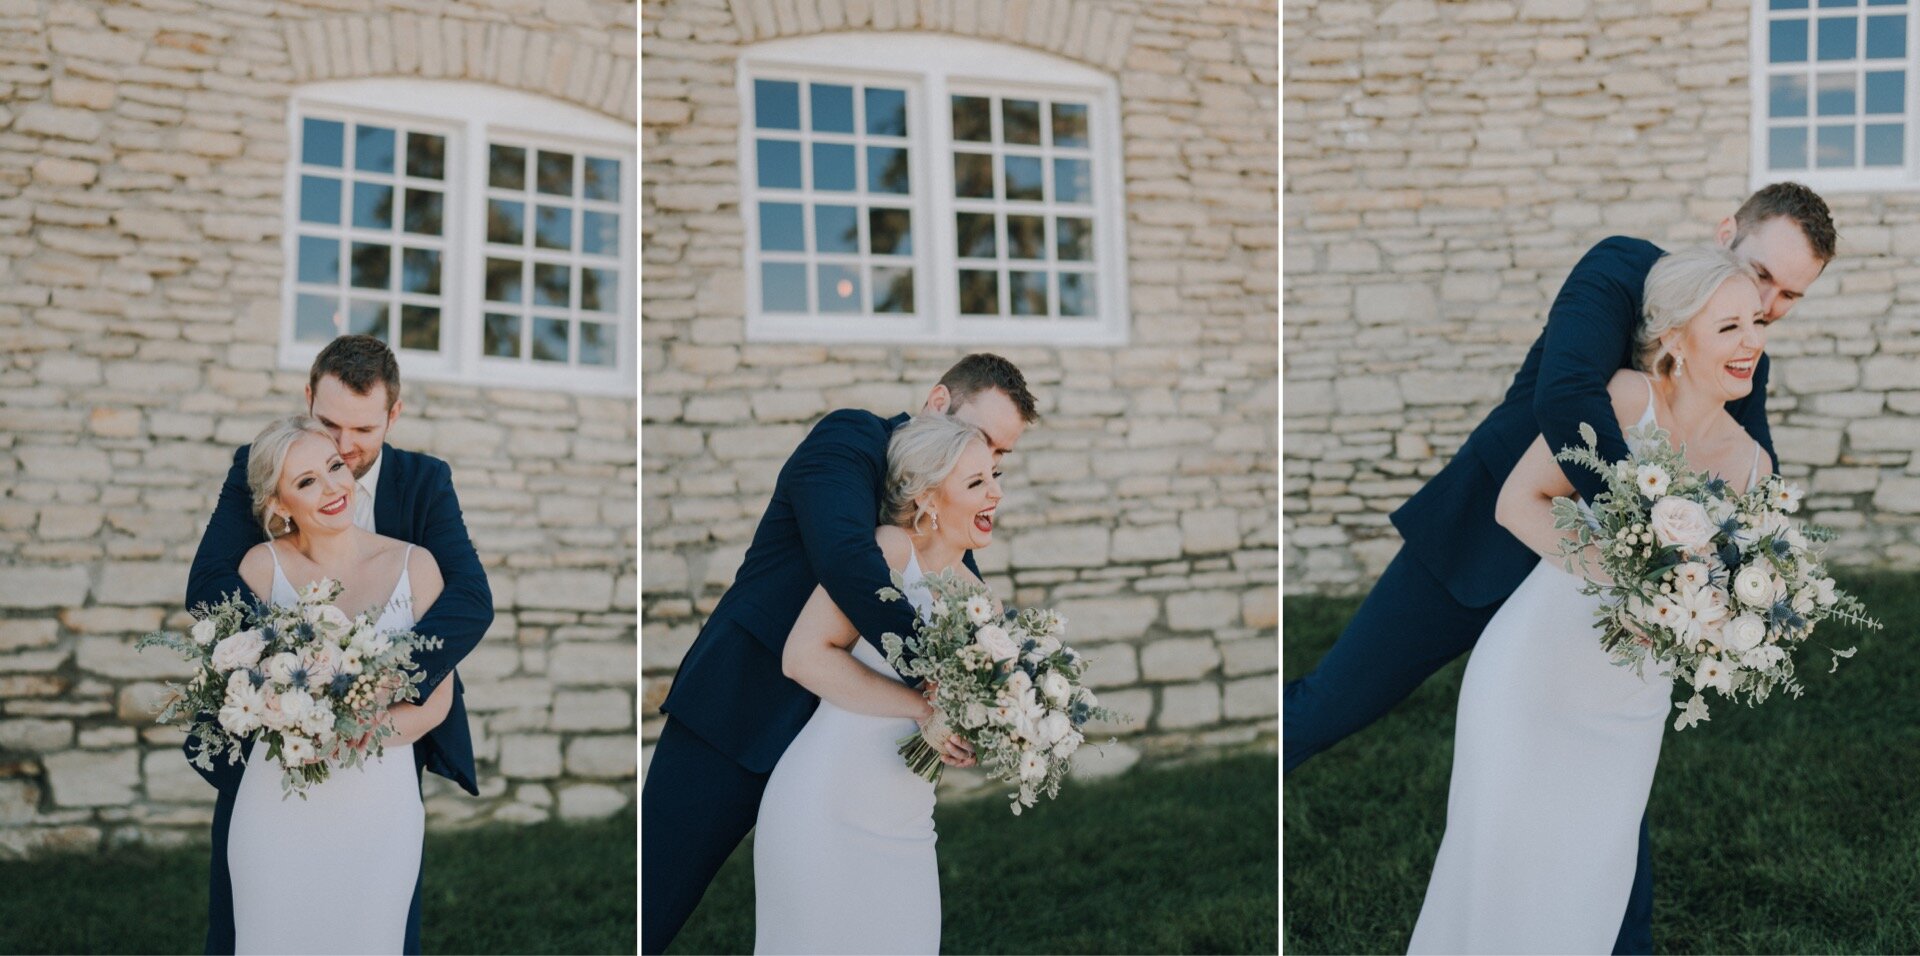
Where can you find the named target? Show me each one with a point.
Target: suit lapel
(387, 518)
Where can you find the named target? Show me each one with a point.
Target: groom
(1458, 565)
(353, 389)
(731, 710)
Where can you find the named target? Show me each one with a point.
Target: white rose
(979, 609)
(1048, 645)
(1057, 688)
(1746, 632)
(330, 621)
(975, 716)
(1652, 480)
(204, 631)
(1826, 595)
(1018, 685)
(237, 680)
(295, 705)
(1720, 509)
(280, 667)
(1754, 586)
(1679, 523)
(1054, 726)
(994, 640)
(318, 720)
(1068, 744)
(240, 650)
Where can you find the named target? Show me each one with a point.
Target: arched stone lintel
(1085, 31)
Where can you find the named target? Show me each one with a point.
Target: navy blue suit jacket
(415, 502)
(1449, 525)
(817, 530)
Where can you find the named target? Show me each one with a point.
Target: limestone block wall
(1144, 506)
(142, 150)
(1449, 162)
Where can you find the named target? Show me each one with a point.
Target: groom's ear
(309, 394)
(393, 414)
(1724, 233)
(939, 399)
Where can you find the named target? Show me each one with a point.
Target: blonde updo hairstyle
(265, 459)
(1677, 289)
(920, 455)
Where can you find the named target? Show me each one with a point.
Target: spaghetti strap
(1753, 473)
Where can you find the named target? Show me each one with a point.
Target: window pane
(603, 179)
(420, 327)
(502, 335)
(779, 162)
(368, 318)
(1787, 148)
(1787, 41)
(890, 232)
(1020, 121)
(549, 340)
(783, 287)
(1072, 181)
(372, 206)
(323, 143)
(836, 229)
(504, 282)
(833, 167)
(596, 344)
(372, 266)
(1830, 4)
(506, 222)
(320, 200)
(372, 148)
(1025, 179)
(319, 260)
(1076, 294)
(887, 170)
(420, 271)
(1834, 94)
(553, 227)
(506, 167)
(781, 228)
(979, 292)
(973, 119)
(1834, 147)
(1887, 91)
(315, 318)
(600, 234)
(1787, 4)
(426, 156)
(1028, 292)
(554, 174)
(1073, 239)
(1026, 237)
(1787, 95)
(1839, 38)
(423, 212)
(839, 288)
(551, 284)
(1885, 144)
(1069, 124)
(1886, 37)
(832, 107)
(973, 175)
(975, 230)
(886, 112)
(599, 290)
(776, 104)
(893, 291)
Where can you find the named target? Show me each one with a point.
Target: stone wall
(142, 153)
(1144, 506)
(1449, 162)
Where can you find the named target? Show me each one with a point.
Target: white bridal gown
(843, 858)
(1553, 756)
(333, 873)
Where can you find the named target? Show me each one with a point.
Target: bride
(333, 873)
(1555, 747)
(843, 856)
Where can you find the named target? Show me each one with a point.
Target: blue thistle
(1730, 556)
(257, 676)
(341, 684)
(1781, 548)
(1717, 486)
(304, 631)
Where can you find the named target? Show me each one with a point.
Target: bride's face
(316, 486)
(965, 502)
(1723, 343)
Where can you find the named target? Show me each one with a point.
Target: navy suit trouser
(1409, 626)
(696, 805)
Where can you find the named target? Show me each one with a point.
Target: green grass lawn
(1159, 860)
(1790, 828)
(552, 888)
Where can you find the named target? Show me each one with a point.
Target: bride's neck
(330, 551)
(1691, 409)
(936, 553)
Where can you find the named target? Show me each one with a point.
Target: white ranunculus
(280, 667)
(1754, 586)
(318, 720)
(1057, 688)
(1053, 727)
(1652, 480)
(295, 705)
(979, 609)
(1679, 523)
(1068, 744)
(1018, 685)
(1746, 632)
(1047, 645)
(295, 750)
(240, 650)
(204, 632)
(994, 639)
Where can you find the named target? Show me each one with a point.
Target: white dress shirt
(363, 496)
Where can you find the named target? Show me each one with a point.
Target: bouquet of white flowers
(1723, 587)
(307, 682)
(1008, 687)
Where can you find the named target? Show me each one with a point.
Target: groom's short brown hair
(360, 362)
(1796, 202)
(983, 370)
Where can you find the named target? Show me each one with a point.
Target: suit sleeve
(830, 482)
(230, 533)
(1590, 324)
(1752, 412)
(464, 610)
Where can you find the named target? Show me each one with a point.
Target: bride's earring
(1680, 365)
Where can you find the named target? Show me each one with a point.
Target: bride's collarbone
(363, 587)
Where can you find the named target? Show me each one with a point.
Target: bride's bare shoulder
(895, 545)
(1630, 390)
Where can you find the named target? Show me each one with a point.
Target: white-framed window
(483, 233)
(941, 190)
(1834, 94)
